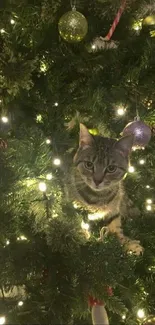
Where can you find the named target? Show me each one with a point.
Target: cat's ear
(85, 138)
(124, 145)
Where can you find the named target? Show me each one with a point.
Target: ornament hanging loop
(73, 4)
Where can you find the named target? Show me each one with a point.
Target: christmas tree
(94, 66)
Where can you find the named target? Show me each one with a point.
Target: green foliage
(47, 87)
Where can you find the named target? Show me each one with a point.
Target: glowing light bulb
(84, 225)
(142, 161)
(49, 177)
(2, 31)
(124, 317)
(22, 237)
(39, 118)
(57, 162)
(131, 169)
(149, 201)
(121, 111)
(2, 320)
(7, 242)
(93, 47)
(148, 207)
(141, 313)
(56, 104)
(75, 205)
(20, 303)
(48, 141)
(4, 119)
(147, 186)
(12, 21)
(42, 187)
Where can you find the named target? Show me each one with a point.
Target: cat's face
(102, 162)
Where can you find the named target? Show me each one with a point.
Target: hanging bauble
(141, 132)
(149, 321)
(148, 24)
(73, 26)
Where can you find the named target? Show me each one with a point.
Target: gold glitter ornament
(148, 24)
(73, 26)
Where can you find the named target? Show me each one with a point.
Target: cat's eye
(111, 168)
(88, 165)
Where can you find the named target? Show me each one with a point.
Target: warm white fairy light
(39, 118)
(75, 205)
(121, 111)
(42, 187)
(12, 21)
(142, 161)
(43, 67)
(20, 303)
(84, 225)
(49, 177)
(124, 317)
(141, 313)
(4, 119)
(48, 141)
(131, 169)
(149, 201)
(147, 186)
(56, 104)
(148, 207)
(22, 237)
(2, 320)
(57, 161)
(93, 46)
(2, 30)
(7, 242)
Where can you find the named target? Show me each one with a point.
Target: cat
(99, 167)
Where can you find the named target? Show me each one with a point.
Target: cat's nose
(97, 181)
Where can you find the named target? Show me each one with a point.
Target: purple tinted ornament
(141, 132)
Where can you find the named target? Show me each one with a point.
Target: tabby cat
(100, 165)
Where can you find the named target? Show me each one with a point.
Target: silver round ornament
(140, 130)
(73, 26)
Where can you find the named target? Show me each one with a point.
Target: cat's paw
(133, 246)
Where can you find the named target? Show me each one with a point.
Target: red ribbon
(94, 302)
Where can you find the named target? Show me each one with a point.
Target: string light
(2, 320)
(121, 111)
(20, 303)
(149, 201)
(12, 21)
(2, 31)
(42, 187)
(131, 169)
(142, 161)
(49, 177)
(124, 317)
(43, 67)
(48, 141)
(141, 313)
(56, 104)
(22, 237)
(57, 162)
(4, 119)
(7, 242)
(147, 186)
(39, 118)
(148, 207)
(75, 205)
(93, 47)
(84, 225)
